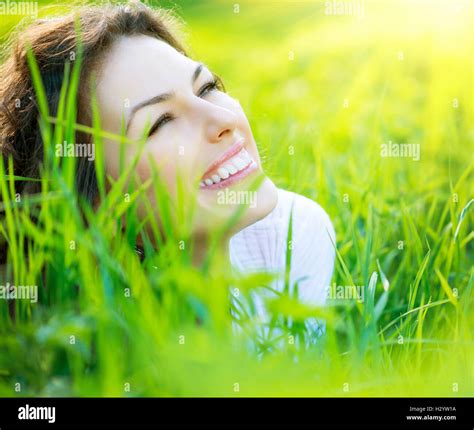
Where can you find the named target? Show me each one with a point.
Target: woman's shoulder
(264, 244)
(307, 218)
(307, 213)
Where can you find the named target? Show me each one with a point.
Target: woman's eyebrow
(162, 97)
(197, 72)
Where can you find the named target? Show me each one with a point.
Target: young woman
(143, 80)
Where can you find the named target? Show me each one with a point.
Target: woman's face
(198, 135)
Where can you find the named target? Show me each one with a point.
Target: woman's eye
(162, 120)
(208, 87)
(167, 117)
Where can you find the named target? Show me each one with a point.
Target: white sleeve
(263, 245)
(313, 253)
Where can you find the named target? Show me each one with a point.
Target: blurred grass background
(322, 93)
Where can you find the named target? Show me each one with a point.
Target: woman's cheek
(173, 163)
(151, 162)
(244, 126)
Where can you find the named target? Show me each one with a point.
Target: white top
(261, 247)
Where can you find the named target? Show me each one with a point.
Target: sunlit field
(332, 90)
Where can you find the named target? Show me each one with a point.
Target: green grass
(292, 68)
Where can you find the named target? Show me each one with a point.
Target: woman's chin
(247, 207)
(266, 198)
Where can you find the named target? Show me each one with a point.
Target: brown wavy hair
(52, 41)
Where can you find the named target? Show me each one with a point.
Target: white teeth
(223, 173)
(234, 165)
(232, 170)
(239, 163)
(245, 156)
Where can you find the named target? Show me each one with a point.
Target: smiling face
(198, 134)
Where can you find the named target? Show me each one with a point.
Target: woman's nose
(220, 124)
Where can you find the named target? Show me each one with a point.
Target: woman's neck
(203, 247)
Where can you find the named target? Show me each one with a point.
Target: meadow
(330, 92)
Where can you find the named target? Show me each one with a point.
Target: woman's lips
(232, 167)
